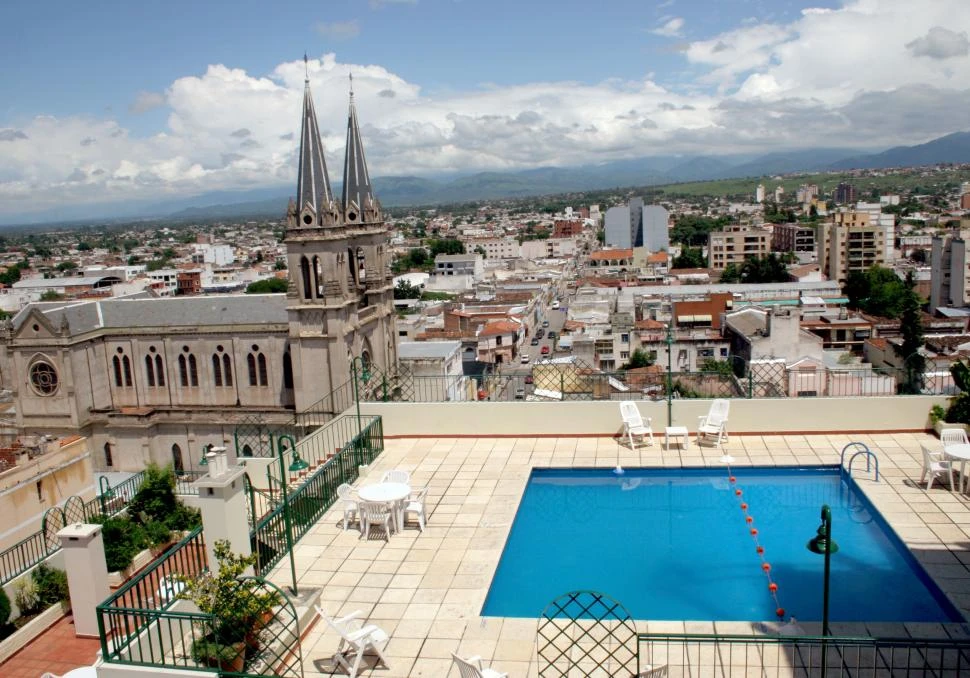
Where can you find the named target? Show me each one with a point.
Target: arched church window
(318, 277)
(177, 459)
(159, 369)
(305, 275)
(352, 267)
(361, 261)
(150, 370)
(287, 370)
(193, 371)
(126, 367)
(256, 363)
(183, 371)
(263, 374)
(108, 460)
(216, 369)
(116, 364)
(227, 369)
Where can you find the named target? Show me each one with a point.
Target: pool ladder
(869, 455)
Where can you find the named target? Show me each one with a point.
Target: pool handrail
(869, 454)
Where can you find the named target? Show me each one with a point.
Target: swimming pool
(673, 544)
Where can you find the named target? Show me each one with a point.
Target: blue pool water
(673, 544)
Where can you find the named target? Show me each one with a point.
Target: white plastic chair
(375, 513)
(714, 424)
(415, 504)
(346, 494)
(953, 436)
(358, 637)
(472, 668)
(397, 475)
(634, 425)
(934, 464)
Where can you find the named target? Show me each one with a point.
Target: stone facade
(162, 379)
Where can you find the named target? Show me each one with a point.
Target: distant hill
(953, 148)
(648, 171)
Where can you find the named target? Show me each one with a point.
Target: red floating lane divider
(759, 549)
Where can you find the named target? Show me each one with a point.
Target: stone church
(165, 379)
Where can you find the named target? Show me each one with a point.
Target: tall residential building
(735, 244)
(950, 270)
(850, 243)
(779, 193)
(806, 193)
(759, 193)
(793, 238)
(844, 194)
(886, 220)
(633, 225)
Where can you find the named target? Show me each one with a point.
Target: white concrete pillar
(87, 574)
(222, 500)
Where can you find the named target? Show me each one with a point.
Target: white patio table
(82, 672)
(960, 453)
(390, 493)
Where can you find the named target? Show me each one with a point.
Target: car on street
(520, 393)
(544, 351)
(528, 378)
(551, 335)
(525, 358)
(545, 323)
(535, 341)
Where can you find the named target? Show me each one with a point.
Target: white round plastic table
(960, 453)
(390, 493)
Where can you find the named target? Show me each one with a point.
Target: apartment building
(496, 248)
(793, 238)
(950, 270)
(850, 243)
(735, 244)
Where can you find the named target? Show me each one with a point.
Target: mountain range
(649, 171)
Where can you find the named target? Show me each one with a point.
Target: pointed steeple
(358, 199)
(313, 185)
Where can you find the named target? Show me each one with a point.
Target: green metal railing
(313, 495)
(42, 544)
(143, 624)
(184, 482)
(723, 656)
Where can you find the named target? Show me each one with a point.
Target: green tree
(445, 246)
(66, 266)
(765, 269)
(405, 290)
(911, 328)
(83, 246)
(11, 275)
(267, 286)
(731, 274)
(690, 258)
(639, 358)
(721, 367)
(51, 295)
(878, 291)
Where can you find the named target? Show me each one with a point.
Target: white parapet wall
(602, 418)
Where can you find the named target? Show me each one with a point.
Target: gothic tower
(340, 298)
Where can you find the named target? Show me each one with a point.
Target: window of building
(216, 369)
(43, 378)
(498, 340)
(40, 491)
(305, 276)
(287, 370)
(177, 459)
(256, 364)
(150, 370)
(108, 460)
(122, 369)
(188, 368)
(318, 277)
(159, 369)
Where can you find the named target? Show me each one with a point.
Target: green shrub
(156, 497)
(157, 533)
(183, 518)
(51, 585)
(6, 628)
(123, 539)
(27, 596)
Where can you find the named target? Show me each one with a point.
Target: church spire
(313, 185)
(358, 198)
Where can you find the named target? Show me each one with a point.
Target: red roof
(499, 327)
(606, 255)
(649, 324)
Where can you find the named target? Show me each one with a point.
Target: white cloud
(670, 29)
(846, 77)
(940, 43)
(146, 101)
(339, 30)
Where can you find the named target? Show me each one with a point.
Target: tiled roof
(499, 327)
(606, 255)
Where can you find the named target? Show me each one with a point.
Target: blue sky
(108, 101)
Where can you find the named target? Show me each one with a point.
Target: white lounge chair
(397, 475)
(358, 637)
(935, 464)
(375, 513)
(714, 424)
(415, 504)
(472, 668)
(634, 425)
(346, 495)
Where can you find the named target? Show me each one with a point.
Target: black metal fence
(724, 656)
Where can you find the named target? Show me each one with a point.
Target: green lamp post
(823, 544)
(365, 377)
(670, 369)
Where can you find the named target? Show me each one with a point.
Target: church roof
(357, 187)
(211, 311)
(313, 183)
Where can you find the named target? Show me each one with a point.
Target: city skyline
(106, 104)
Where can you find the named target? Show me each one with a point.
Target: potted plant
(957, 413)
(230, 658)
(239, 606)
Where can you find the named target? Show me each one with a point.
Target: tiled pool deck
(426, 589)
